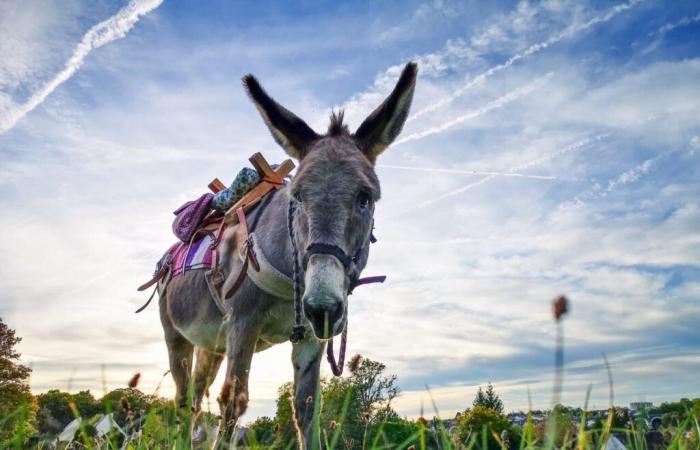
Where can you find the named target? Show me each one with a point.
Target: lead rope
(337, 367)
(298, 330)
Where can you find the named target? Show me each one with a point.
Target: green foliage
(488, 399)
(480, 420)
(285, 432)
(262, 431)
(355, 407)
(17, 406)
(54, 411)
(558, 429)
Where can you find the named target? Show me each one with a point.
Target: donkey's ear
(380, 129)
(292, 133)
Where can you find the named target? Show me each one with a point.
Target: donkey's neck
(271, 233)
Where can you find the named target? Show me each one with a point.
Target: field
(356, 414)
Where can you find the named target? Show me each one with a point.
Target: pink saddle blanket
(185, 257)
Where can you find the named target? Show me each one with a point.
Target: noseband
(329, 249)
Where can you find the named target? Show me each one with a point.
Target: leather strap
(366, 280)
(326, 249)
(156, 278)
(250, 256)
(148, 302)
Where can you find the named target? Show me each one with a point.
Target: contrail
(468, 172)
(685, 21)
(103, 33)
(534, 162)
(500, 101)
(570, 31)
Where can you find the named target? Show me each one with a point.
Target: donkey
(333, 197)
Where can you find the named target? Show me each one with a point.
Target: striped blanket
(186, 257)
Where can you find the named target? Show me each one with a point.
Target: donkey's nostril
(323, 318)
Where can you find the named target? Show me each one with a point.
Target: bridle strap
(327, 249)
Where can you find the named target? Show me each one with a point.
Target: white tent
(614, 444)
(68, 432)
(107, 424)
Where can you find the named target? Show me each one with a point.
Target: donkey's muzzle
(325, 320)
(324, 296)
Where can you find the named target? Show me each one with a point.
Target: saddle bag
(189, 216)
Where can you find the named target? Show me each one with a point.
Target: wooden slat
(258, 161)
(285, 168)
(252, 197)
(263, 188)
(216, 185)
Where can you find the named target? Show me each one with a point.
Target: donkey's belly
(194, 313)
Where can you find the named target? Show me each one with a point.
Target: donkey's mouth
(326, 320)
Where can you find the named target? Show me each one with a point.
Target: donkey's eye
(297, 197)
(363, 200)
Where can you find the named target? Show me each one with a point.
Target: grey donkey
(333, 195)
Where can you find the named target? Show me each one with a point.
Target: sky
(553, 148)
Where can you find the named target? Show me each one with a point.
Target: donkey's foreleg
(233, 400)
(306, 357)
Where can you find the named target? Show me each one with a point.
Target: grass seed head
(560, 307)
(134, 381)
(354, 363)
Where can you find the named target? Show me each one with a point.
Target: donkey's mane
(337, 127)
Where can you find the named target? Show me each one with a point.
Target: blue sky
(553, 148)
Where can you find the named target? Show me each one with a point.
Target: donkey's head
(335, 190)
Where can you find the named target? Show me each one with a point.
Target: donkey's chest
(277, 325)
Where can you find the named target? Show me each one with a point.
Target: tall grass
(163, 427)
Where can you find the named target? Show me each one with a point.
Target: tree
(54, 411)
(374, 390)
(481, 419)
(261, 432)
(17, 406)
(359, 403)
(86, 404)
(558, 428)
(488, 399)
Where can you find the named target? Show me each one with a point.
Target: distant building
(517, 419)
(637, 406)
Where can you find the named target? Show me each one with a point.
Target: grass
(164, 427)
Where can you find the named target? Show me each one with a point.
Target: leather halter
(328, 249)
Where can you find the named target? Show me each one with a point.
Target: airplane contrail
(685, 21)
(534, 162)
(500, 101)
(570, 31)
(467, 172)
(103, 33)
